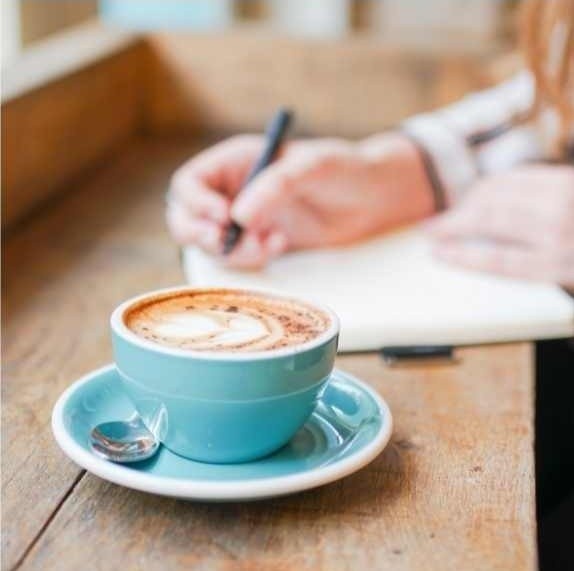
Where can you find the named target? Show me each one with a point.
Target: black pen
(275, 134)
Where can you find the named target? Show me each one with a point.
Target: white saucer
(349, 428)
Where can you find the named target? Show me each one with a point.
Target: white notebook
(391, 291)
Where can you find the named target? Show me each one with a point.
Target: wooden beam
(67, 115)
(42, 19)
(61, 55)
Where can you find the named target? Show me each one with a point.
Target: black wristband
(439, 194)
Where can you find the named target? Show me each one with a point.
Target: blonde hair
(547, 30)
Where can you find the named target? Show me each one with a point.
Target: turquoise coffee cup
(222, 407)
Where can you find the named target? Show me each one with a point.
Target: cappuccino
(225, 320)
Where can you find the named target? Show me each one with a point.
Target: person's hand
(317, 193)
(519, 223)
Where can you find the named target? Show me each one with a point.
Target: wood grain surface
(454, 489)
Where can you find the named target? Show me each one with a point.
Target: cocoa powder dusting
(286, 323)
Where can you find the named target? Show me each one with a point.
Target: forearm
(400, 166)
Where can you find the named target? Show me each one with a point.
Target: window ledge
(58, 56)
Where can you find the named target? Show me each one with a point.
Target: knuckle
(283, 183)
(327, 160)
(335, 144)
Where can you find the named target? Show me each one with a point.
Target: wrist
(400, 170)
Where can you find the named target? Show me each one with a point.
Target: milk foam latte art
(225, 320)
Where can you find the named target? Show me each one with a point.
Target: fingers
(510, 260)
(257, 204)
(506, 260)
(533, 206)
(193, 230)
(225, 166)
(205, 184)
(500, 218)
(198, 199)
(255, 251)
(297, 171)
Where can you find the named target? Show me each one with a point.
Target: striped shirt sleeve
(484, 133)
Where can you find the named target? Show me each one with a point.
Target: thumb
(259, 200)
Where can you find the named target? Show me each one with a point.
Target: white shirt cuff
(452, 158)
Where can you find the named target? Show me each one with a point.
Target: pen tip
(231, 237)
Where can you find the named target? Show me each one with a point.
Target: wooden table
(453, 490)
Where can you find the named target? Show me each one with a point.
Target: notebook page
(391, 291)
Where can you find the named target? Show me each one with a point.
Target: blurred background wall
(41, 18)
(74, 71)
(473, 22)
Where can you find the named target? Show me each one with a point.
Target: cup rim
(121, 329)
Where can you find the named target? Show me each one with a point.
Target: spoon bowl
(123, 441)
